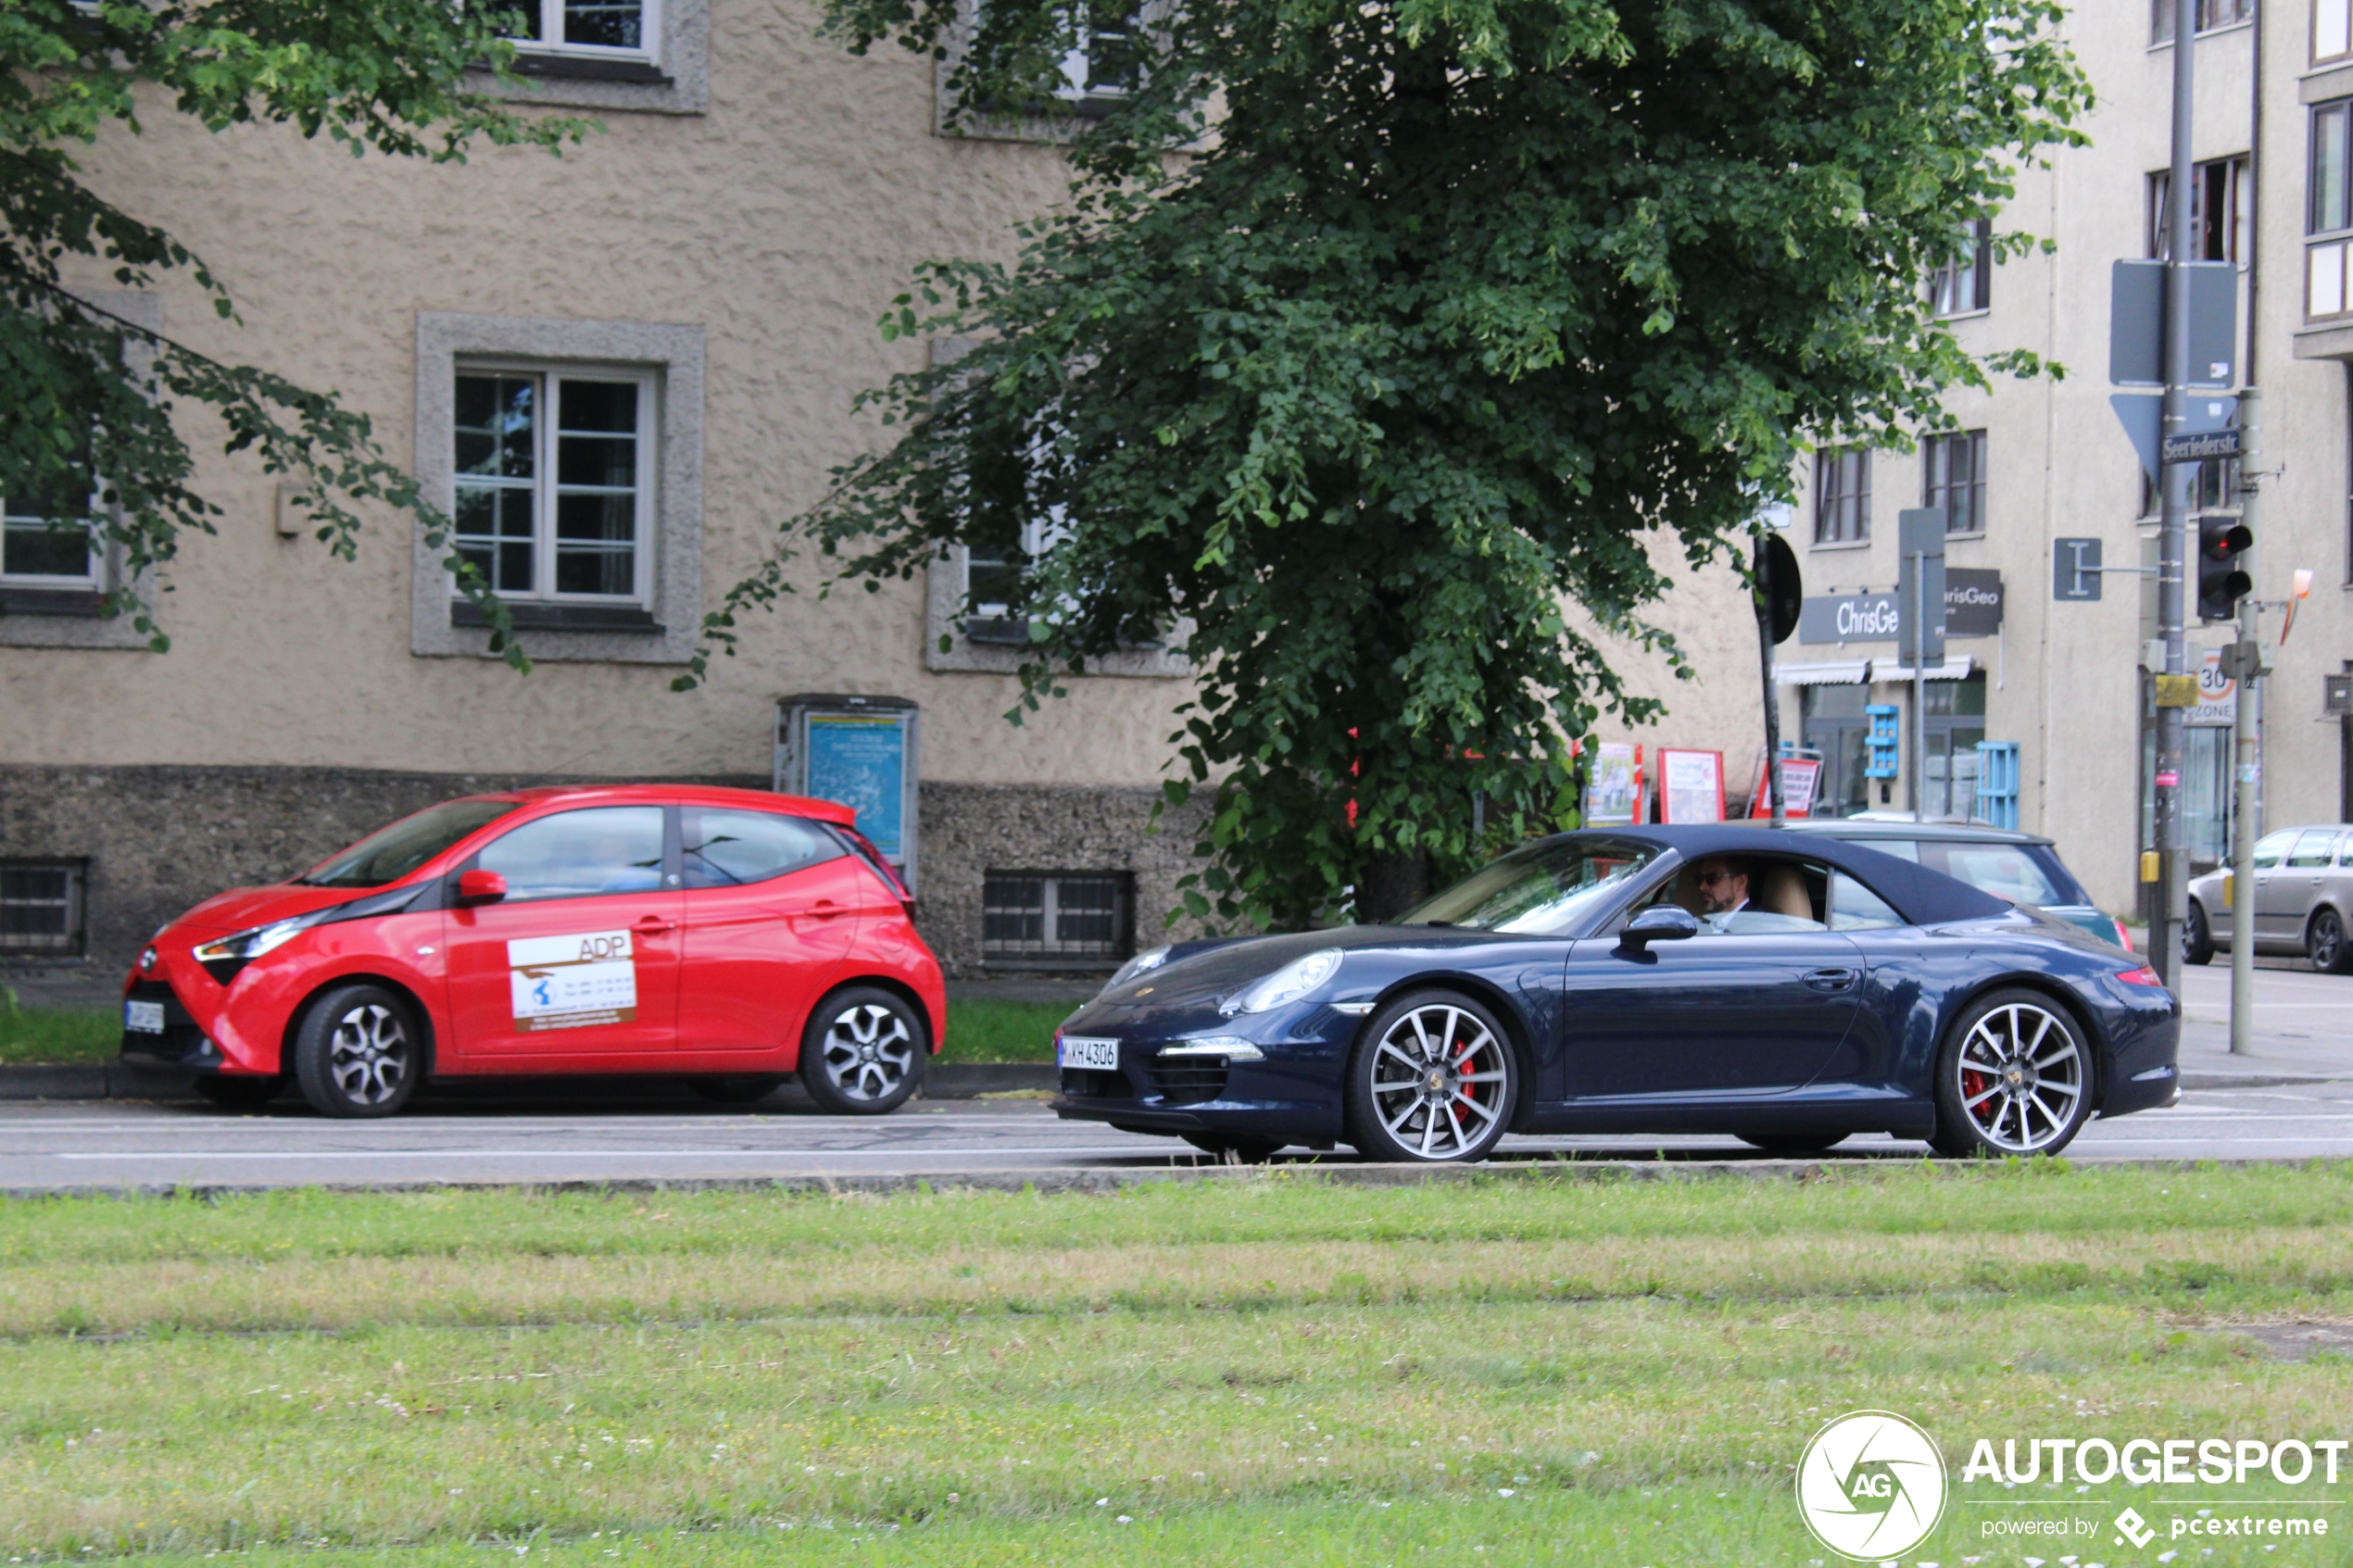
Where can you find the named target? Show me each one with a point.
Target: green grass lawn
(977, 1031)
(51, 1036)
(1272, 1370)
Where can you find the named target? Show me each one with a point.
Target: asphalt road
(107, 1145)
(2292, 1099)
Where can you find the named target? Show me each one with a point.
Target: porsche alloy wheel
(357, 1053)
(1434, 1079)
(2014, 1078)
(863, 1053)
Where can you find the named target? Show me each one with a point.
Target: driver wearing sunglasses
(1723, 889)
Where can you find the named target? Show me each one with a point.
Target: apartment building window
(626, 28)
(47, 542)
(1843, 495)
(554, 490)
(2328, 215)
(2332, 30)
(41, 908)
(1038, 918)
(993, 582)
(2212, 14)
(1964, 283)
(2219, 198)
(2214, 487)
(1953, 474)
(1107, 64)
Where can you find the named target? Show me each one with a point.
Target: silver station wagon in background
(2021, 867)
(2303, 894)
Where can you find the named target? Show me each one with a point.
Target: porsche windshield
(1540, 890)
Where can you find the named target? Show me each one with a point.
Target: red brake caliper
(1972, 1086)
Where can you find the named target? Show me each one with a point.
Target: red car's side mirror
(481, 887)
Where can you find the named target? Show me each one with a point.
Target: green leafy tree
(89, 395)
(1378, 333)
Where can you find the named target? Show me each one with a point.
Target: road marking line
(913, 1151)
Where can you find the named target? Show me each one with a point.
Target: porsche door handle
(1834, 979)
(653, 925)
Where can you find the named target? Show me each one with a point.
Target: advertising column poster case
(1615, 794)
(1691, 786)
(858, 752)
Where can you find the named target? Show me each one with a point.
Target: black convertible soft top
(1920, 896)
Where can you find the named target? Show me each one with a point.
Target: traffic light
(2222, 582)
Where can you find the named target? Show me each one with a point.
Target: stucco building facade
(2035, 461)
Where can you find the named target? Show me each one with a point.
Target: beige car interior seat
(1779, 889)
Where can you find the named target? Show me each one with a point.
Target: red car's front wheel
(359, 1052)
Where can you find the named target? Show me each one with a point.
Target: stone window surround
(677, 82)
(35, 618)
(675, 351)
(945, 581)
(944, 599)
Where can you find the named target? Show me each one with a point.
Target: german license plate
(1101, 1056)
(143, 1018)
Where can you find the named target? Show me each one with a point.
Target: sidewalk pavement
(2303, 1025)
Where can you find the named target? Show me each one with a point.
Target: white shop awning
(1957, 668)
(1837, 672)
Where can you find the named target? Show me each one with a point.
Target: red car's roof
(679, 795)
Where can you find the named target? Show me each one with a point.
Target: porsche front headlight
(1287, 985)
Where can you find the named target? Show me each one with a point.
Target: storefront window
(1834, 725)
(1956, 722)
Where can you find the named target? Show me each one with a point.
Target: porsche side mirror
(1660, 922)
(481, 887)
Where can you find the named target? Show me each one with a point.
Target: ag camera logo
(1872, 1486)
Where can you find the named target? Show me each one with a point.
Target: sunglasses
(1709, 878)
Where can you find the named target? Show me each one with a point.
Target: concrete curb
(2250, 1080)
(1113, 1179)
(951, 1081)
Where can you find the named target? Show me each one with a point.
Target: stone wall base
(156, 840)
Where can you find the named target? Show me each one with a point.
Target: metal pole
(2165, 936)
(1920, 688)
(2247, 775)
(1772, 697)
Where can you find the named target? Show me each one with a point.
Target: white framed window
(554, 481)
(1108, 62)
(610, 29)
(48, 543)
(993, 582)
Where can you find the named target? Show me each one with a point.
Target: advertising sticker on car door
(572, 982)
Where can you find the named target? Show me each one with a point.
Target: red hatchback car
(725, 935)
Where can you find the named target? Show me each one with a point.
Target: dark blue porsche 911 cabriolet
(1788, 990)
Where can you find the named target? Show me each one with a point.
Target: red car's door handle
(824, 909)
(653, 925)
